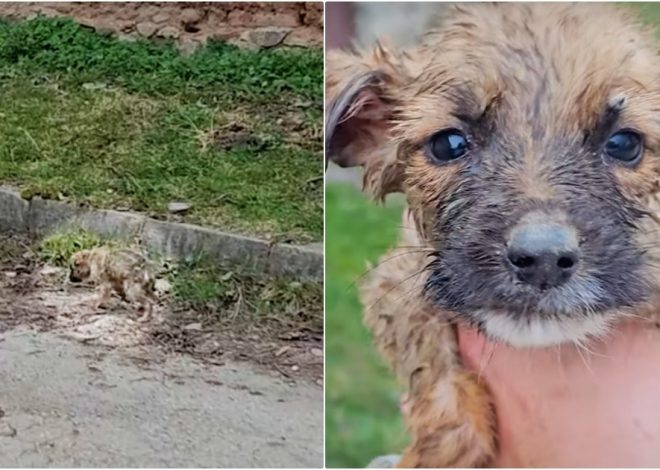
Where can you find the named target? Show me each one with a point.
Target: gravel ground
(66, 404)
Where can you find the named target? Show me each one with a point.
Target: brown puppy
(120, 270)
(526, 138)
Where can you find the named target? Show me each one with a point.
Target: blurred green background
(362, 411)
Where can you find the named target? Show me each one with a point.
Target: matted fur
(536, 88)
(121, 270)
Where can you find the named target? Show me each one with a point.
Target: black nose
(543, 255)
(74, 278)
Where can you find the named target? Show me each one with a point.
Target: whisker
(489, 357)
(559, 361)
(380, 263)
(421, 271)
(627, 314)
(586, 348)
(584, 360)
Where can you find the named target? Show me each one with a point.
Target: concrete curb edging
(176, 240)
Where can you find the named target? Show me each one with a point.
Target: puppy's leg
(103, 293)
(136, 295)
(148, 309)
(448, 412)
(451, 423)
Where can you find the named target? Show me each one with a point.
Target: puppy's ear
(362, 91)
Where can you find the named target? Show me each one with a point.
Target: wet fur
(536, 88)
(122, 271)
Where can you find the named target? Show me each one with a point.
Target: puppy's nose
(543, 254)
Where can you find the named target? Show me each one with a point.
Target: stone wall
(251, 24)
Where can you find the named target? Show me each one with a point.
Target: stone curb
(41, 217)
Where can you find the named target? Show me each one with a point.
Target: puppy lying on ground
(123, 271)
(526, 138)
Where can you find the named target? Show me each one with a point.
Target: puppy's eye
(625, 146)
(447, 145)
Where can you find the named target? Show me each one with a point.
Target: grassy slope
(136, 125)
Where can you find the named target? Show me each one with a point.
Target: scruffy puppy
(526, 138)
(123, 271)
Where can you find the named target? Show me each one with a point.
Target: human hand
(562, 406)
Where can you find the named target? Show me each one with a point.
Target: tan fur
(449, 414)
(122, 271)
(447, 410)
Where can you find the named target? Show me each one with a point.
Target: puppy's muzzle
(543, 253)
(73, 277)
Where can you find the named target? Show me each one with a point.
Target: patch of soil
(236, 135)
(255, 129)
(39, 296)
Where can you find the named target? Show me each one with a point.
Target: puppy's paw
(97, 304)
(147, 314)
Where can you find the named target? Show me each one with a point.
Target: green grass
(136, 125)
(58, 248)
(362, 411)
(215, 296)
(649, 12)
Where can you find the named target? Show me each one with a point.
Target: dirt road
(67, 404)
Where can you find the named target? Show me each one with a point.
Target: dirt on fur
(39, 296)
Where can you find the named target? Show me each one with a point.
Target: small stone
(304, 37)
(146, 29)
(317, 352)
(160, 17)
(162, 286)
(176, 207)
(193, 327)
(224, 35)
(191, 15)
(169, 32)
(126, 37)
(267, 37)
(7, 430)
(188, 46)
(295, 368)
(313, 15)
(11, 274)
(281, 351)
(106, 28)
